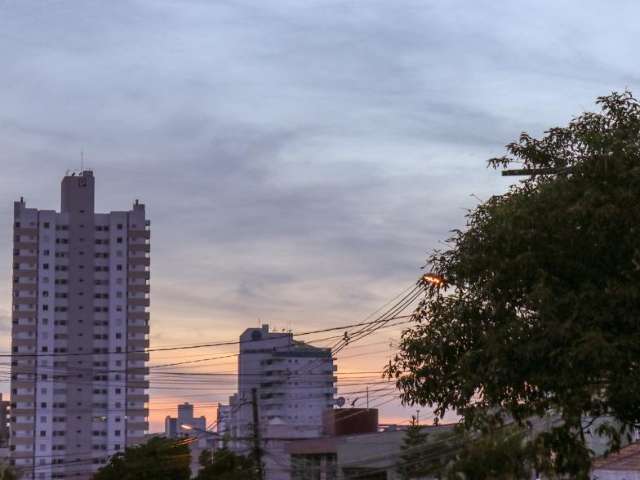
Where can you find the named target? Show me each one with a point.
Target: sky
(299, 160)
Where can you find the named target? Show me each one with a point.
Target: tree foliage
(227, 465)
(412, 462)
(158, 459)
(540, 310)
(7, 472)
(502, 453)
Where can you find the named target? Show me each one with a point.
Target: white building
(80, 328)
(174, 427)
(294, 385)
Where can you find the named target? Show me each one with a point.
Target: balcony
(138, 316)
(28, 259)
(139, 247)
(140, 356)
(141, 274)
(139, 288)
(24, 329)
(25, 287)
(140, 398)
(138, 302)
(137, 383)
(138, 329)
(22, 274)
(139, 234)
(139, 261)
(23, 244)
(26, 231)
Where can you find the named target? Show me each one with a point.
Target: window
(45, 266)
(46, 225)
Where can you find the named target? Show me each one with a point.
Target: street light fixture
(434, 279)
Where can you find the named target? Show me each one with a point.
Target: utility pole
(367, 397)
(257, 449)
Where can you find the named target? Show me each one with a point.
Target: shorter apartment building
(187, 425)
(291, 384)
(174, 427)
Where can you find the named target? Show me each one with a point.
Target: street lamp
(186, 426)
(434, 279)
(198, 431)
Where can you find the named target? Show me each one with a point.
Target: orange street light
(434, 279)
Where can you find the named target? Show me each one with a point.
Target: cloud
(299, 160)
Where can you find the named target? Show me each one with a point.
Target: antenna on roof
(81, 160)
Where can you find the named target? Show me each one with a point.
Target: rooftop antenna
(81, 160)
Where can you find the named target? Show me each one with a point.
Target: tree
(503, 453)
(540, 305)
(412, 462)
(227, 465)
(7, 472)
(158, 459)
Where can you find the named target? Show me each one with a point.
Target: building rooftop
(628, 458)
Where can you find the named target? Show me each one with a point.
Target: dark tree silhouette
(158, 459)
(541, 300)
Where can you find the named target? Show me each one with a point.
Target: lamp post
(200, 430)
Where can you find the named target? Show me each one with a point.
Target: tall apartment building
(294, 384)
(4, 422)
(80, 329)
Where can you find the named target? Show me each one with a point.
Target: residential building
(292, 385)
(223, 424)
(79, 335)
(186, 425)
(174, 426)
(356, 453)
(4, 422)
(171, 427)
(623, 465)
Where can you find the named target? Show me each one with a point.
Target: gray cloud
(299, 159)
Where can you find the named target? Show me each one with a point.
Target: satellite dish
(340, 401)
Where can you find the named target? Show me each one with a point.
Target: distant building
(175, 426)
(356, 453)
(223, 424)
(186, 425)
(171, 427)
(80, 327)
(294, 385)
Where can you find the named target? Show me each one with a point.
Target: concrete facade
(4, 423)
(80, 327)
(295, 385)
